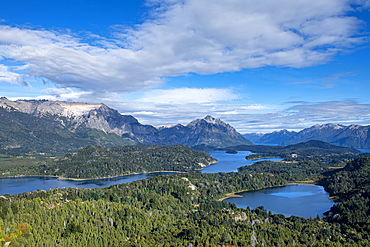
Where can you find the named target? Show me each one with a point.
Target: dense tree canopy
(187, 210)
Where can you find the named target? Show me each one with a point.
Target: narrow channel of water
(25, 184)
(226, 163)
(300, 200)
(230, 162)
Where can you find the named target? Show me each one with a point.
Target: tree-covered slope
(98, 161)
(22, 133)
(82, 118)
(302, 149)
(351, 186)
(176, 210)
(183, 210)
(353, 177)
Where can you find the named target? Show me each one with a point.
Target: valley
(185, 208)
(183, 123)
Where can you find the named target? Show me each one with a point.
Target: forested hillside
(22, 133)
(99, 162)
(185, 209)
(175, 210)
(351, 186)
(182, 210)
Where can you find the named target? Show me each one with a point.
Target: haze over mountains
(46, 126)
(355, 136)
(29, 126)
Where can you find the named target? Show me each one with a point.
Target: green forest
(185, 210)
(25, 134)
(99, 162)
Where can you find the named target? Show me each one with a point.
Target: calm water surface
(19, 185)
(226, 163)
(230, 162)
(300, 200)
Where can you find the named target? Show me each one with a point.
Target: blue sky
(259, 65)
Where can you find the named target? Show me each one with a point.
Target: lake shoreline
(134, 173)
(310, 182)
(235, 194)
(87, 179)
(101, 178)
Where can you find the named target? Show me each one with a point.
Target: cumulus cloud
(305, 114)
(188, 95)
(181, 37)
(255, 117)
(8, 76)
(246, 118)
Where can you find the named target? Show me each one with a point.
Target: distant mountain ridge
(22, 133)
(355, 136)
(76, 116)
(208, 130)
(97, 124)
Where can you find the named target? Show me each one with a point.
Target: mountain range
(58, 126)
(355, 136)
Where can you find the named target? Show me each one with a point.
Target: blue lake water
(300, 200)
(230, 162)
(25, 184)
(226, 163)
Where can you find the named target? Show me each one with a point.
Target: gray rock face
(76, 117)
(94, 116)
(208, 130)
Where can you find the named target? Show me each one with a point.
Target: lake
(227, 163)
(230, 162)
(303, 200)
(25, 184)
(300, 200)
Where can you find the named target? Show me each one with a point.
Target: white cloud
(181, 37)
(304, 114)
(245, 118)
(188, 95)
(11, 77)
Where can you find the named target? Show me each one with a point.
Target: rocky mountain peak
(167, 126)
(354, 127)
(46, 108)
(210, 119)
(77, 117)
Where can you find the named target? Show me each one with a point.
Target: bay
(299, 200)
(290, 200)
